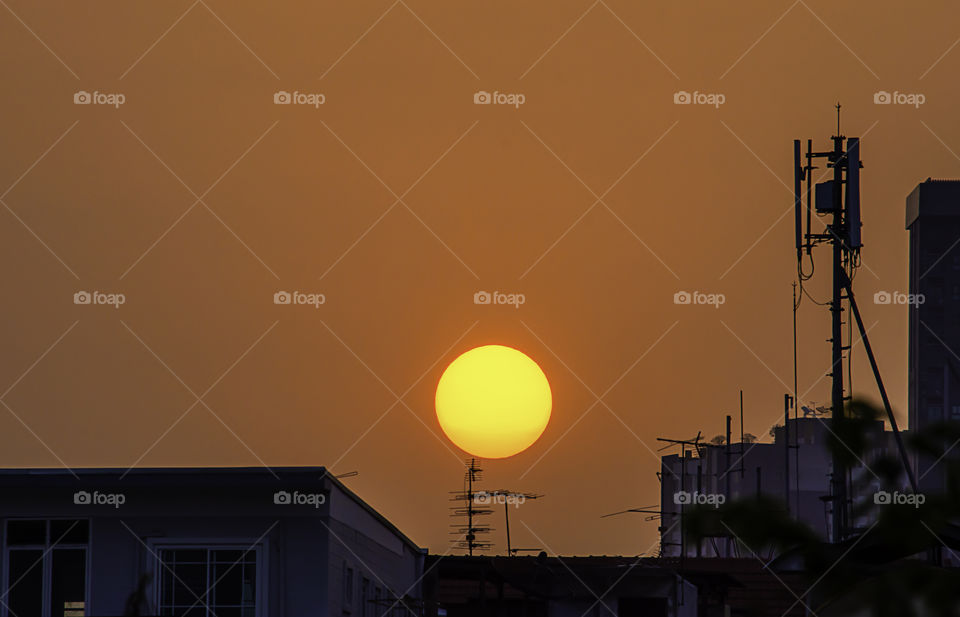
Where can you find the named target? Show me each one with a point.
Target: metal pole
(683, 487)
(796, 408)
(727, 474)
(470, 508)
(786, 450)
(883, 391)
(743, 464)
(506, 514)
(839, 476)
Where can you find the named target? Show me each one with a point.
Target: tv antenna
(695, 442)
(508, 498)
(838, 198)
(471, 509)
(652, 512)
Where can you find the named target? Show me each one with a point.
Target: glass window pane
(68, 577)
(70, 531)
(25, 582)
(228, 590)
(227, 556)
(231, 573)
(190, 583)
(26, 532)
(182, 555)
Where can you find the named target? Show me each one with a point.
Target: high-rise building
(933, 219)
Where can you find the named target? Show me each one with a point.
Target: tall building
(933, 219)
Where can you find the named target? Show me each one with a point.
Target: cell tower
(468, 510)
(839, 199)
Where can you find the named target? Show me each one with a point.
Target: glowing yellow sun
(493, 401)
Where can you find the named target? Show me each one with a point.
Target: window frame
(260, 547)
(47, 560)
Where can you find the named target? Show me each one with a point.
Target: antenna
(843, 235)
(798, 175)
(509, 498)
(471, 509)
(853, 193)
(699, 446)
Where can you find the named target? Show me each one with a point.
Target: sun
(493, 401)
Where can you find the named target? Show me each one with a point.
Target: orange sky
(398, 198)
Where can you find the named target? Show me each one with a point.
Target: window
(347, 588)
(365, 598)
(47, 568)
(206, 581)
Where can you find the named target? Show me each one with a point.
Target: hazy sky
(398, 198)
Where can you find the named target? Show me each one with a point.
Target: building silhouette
(794, 469)
(542, 586)
(247, 542)
(933, 220)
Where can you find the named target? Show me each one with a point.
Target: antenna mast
(470, 510)
(839, 198)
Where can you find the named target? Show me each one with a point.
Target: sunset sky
(398, 198)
